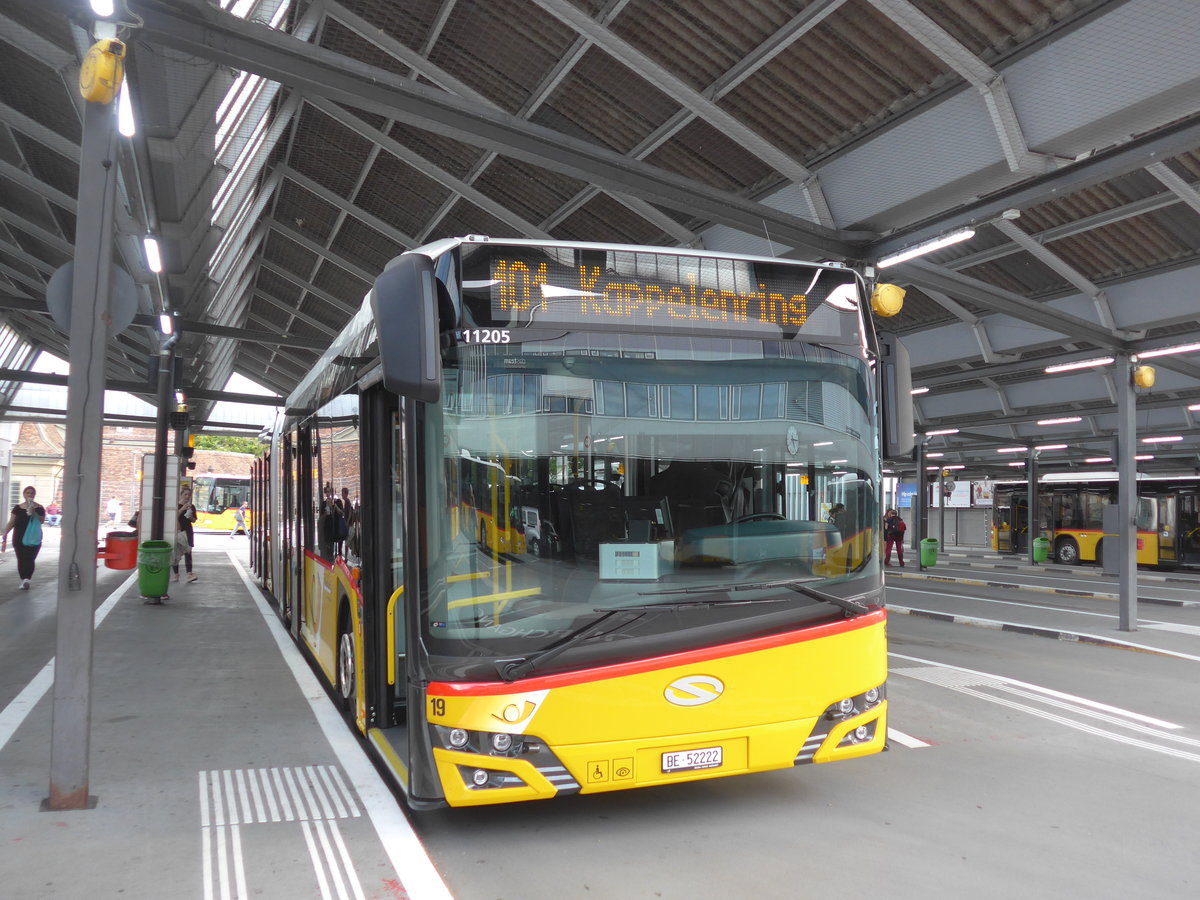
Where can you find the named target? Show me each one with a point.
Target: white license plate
(690, 760)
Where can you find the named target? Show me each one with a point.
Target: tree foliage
(228, 442)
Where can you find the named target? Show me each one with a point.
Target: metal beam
(210, 33)
(1182, 136)
(927, 275)
(683, 93)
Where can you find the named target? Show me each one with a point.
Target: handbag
(33, 532)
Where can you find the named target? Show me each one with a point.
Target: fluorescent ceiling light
(1166, 439)
(153, 258)
(1194, 407)
(954, 237)
(1167, 351)
(954, 467)
(103, 8)
(1065, 420)
(942, 431)
(920, 391)
(1082, 364)
(125, 123)
(165, 324)
(934, 455)
(1144, 456)
(1017, 463)
(1011, 449)
(1051, 447)
(1098, 459)
(823, 444)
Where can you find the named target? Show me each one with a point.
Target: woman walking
(26, 525)
(185, 538)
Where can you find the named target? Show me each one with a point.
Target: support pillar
(71, 726)
(1126, 539)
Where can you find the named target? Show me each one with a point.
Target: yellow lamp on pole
(102, 70)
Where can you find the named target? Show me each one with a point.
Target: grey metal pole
(1031, 479)
(166, 393)
(919, 496)
(1126, 539)
(71, 726)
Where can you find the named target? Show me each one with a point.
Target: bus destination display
(653, 290)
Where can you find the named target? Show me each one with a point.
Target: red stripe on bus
(637, 667)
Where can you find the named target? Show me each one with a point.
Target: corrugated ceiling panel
(502, 50)
(531, 192)
(701, 41)
(464, 218)
(408, 22)
(34, 89)
(450, 155)
(702, 152)
(400, 195)
(605, 102)
(365, 246)
(836, 81)
(288, 254)
(990, 29)
(340, 39)
(605, 219)
(308, 214)
(1123, 248)
(328, 152)
(339, 283)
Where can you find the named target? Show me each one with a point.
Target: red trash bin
(120, 550)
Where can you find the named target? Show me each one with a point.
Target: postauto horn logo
(694, 690)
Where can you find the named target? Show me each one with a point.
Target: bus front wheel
(1066, 552)
(345, 667)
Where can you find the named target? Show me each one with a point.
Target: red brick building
(37, 459)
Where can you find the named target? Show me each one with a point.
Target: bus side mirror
(895, 398)
(405, 303)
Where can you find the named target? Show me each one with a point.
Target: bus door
(1020, 523)
(1168, 529)
(1189, 529)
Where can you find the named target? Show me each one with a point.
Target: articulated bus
(593, 551)
(217, 498)
(1071, 517)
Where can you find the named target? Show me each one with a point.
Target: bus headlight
(856, 705)
(502, 742)
(458, 738)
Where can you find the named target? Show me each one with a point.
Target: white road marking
(22, 705)
(414, 869)
(981, 685)
(906, 740)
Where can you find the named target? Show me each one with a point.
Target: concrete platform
(219, 766)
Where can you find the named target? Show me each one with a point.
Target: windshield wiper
(512, 669)
(800, 586)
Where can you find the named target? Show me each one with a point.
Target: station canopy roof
(286, 150)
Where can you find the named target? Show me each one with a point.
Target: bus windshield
(715, 488)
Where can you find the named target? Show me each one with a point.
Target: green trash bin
(154, 568)
(929, 548)
(1041, 549)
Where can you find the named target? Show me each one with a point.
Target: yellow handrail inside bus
(391, 633)
(500, 600)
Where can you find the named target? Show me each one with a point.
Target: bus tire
(346, 675)
(535, 547)
(1066, 552)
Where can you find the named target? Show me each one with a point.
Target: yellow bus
(1071, 517)
(586, 547)
(217, 499)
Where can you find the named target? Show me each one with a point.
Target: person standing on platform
(185, 537)
(26, 525)
(893, 535)
(114, 512)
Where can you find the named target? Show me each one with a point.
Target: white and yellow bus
(583, 547)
